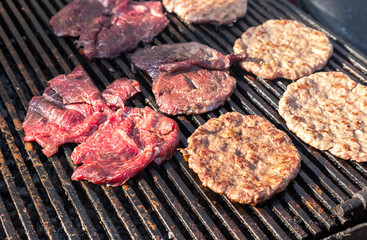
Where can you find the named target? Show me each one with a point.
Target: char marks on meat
(243, 157)
(125, 145)
(188, 78)
(207, 11)
(107, 28)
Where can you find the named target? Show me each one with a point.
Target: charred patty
(283, 48)
(328, 110)
(245, 158)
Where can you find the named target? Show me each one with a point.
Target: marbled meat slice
(245, 158)
(125, 145)
(207, 11)
(182, 56)
(328, 110)
(119, 91)
(283, 48)
(72, 108)
(107, 28)
(52, 124)
(193, 91)
(77, 87)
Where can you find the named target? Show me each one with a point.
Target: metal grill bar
(8, 227)
(19, 205)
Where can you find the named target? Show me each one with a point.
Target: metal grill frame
(38, 199)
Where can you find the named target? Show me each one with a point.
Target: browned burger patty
(283, 48)
(328, 110)
(207, 11)
(245, 158)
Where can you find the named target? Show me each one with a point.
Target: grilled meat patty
(207, 11)
(283, 48)
(328, 110)
(245, 158)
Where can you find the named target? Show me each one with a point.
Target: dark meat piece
(77, 87)
(193, 91)
(52, 124)
(188, 78)
(107, 28)
(125, 145)
(181, 56)
(71, 19)
(119, 91)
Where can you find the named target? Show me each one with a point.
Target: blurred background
(346, 18)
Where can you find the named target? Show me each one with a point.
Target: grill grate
(38, 200)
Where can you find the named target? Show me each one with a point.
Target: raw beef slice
(72, 108)
(125, 145)
(77, 87)
(107, 28)
(52, 125)
(118, 92)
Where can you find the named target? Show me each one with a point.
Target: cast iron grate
(38, 200)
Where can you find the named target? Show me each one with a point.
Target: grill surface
(38, 199)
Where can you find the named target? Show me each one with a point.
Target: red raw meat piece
(107, 28)
(119, 91)
(52, 125)
(77, 87)
(124, 145)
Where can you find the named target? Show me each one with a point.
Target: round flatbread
(207, 11)
(245, 158)
(328, 110)
(283, 48)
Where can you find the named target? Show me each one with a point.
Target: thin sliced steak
(107, 28)
(119, 91)
(52, 125)
(182, 56)
(77, 87)
(71, 109)
(125, 145)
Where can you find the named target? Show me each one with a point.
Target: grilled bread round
(207, 11)
(245, 158)
(328, 110)
(283, 48)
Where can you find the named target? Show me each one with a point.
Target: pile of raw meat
(117, 142)
(108, 27)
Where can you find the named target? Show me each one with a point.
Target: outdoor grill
(38, 200)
